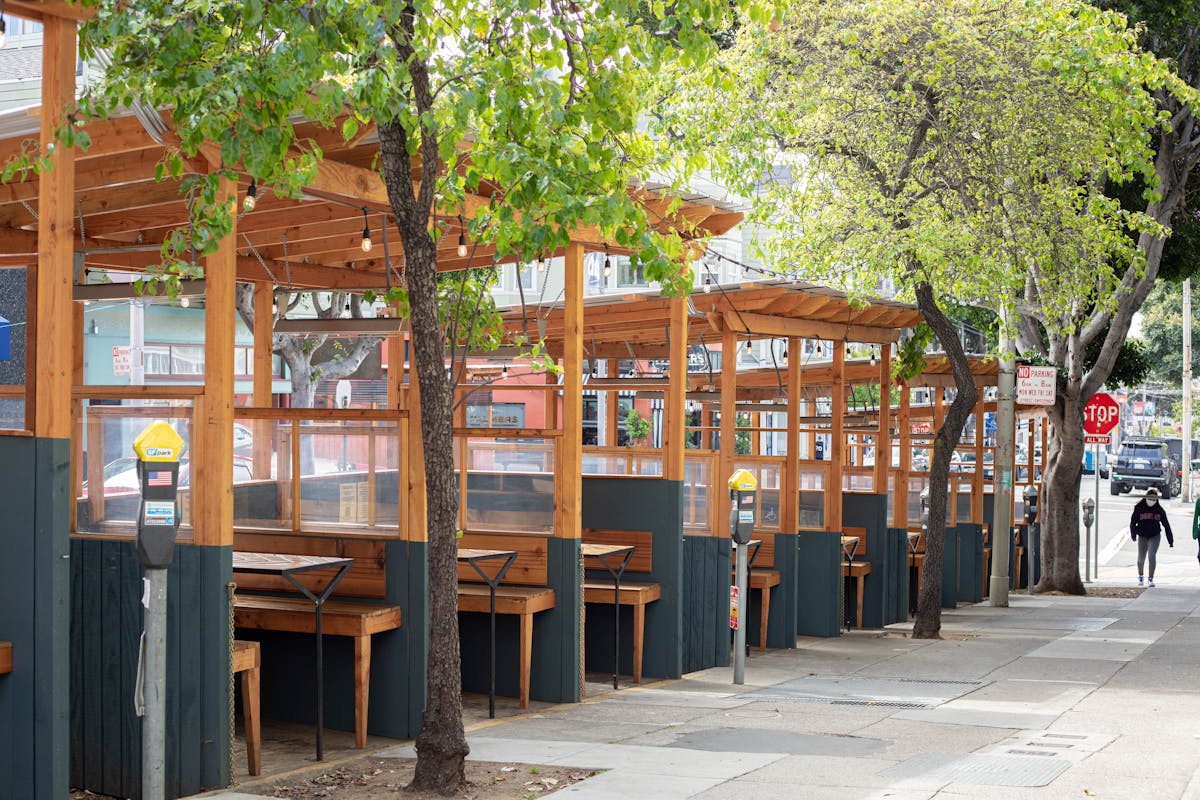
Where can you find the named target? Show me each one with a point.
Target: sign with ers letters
(1101, 415)
(1035, 385)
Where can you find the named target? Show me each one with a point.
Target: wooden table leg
(526, 656)
(251, 716)
(362, 688)
(639, 633)
(766, 612)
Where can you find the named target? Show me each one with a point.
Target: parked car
(966, 463)
(1087, 463)
(1143, 463)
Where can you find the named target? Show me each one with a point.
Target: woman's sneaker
(1141, 580)
(1151, 582)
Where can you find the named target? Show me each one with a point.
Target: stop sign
(1101, 414)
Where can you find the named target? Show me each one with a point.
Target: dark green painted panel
(642, 504)
(950, 568)
(819, 583)
(35, 579)
(781, 627)
(970, 562)
(869, 511)
(105, 629)
(898, 611)
(706, 601)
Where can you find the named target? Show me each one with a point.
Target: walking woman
(1148, 517)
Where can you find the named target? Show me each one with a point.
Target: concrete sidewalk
(1052, 697)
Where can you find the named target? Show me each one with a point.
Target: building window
(630, 274)
(187, 361)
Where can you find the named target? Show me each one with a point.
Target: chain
(29, 208)
(258, 255)
(230, 589)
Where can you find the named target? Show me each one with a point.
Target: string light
(366, 239)
(874, 356)
(251, 199)
(748, 348)
(462, 237)
(184, 302)
(708, 283)
(539, 262)
(607, 263)
(504, 371)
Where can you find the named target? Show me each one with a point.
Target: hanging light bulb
(820, 350)
(708, 282)
(607, 263)
(462, 238)
(540, 263)
(251, 198)
(366, 239)
(274, 304)
(184, 302)
(748, 348)
(504, 371)
(874, 357)
(785, 354)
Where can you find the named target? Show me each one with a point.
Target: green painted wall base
(950, 568)
(781, 626)
(970, 562)
(707, 562)
(640, 504)
(106, 623)
(35, 598)
(819, 584)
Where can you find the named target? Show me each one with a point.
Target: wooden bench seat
(859, 571)
(637, 595)
(765, 580)
(524, 601)
(6, 658)
(246, 665)
(338, 618)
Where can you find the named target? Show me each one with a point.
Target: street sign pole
(1096, 527)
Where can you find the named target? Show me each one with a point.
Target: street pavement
(1049, 697)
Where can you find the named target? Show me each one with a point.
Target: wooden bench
(6, 658)
(637, 593)
(246, 664)
(523, 592)
(765, 580)
(296, 614)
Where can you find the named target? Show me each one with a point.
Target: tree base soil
(374, 778)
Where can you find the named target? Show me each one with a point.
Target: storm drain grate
(937, 682)
(1042, 753)
(878, 703)
(980, 770)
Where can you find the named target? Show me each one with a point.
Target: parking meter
(1089, 516)
(743, 489)
(1031, 503)
(1089, 512)
(158, 448)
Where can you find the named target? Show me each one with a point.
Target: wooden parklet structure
(69, 579)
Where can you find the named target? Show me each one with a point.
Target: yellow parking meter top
(158, 442)
(743, 481)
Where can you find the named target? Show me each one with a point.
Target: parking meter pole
(1096, 527)
(154, 684)
(1087, 549)
(739, 635)
(1002, 508)
(158, 448)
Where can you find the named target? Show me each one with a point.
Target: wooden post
(729, 347)
(264, 323)
(415, 456)
(572, 389)
(50, 321)
(611, 401)
(789, 517)
(833, 493)
(77, 415)
(977, 478)
(883, 441)
(676, 398)
(213, 489)
(903, 423)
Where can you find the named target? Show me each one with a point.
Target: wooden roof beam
(763, 325)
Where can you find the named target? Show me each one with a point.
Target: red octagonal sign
(1101, 414)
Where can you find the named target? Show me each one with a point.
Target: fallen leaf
(1089, 792)
(508, 769)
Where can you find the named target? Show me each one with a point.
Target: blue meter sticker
(159, 513)
(746, 516)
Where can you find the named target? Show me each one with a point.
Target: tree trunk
(441, 742)
(928, 622)
(1059, 501)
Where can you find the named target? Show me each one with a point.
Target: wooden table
(602, 553)
(849, 549)
(475, 557)
(289, 566)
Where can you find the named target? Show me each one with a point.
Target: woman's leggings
(1147, 544)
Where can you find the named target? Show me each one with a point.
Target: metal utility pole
(1002, 508)
(1185, 492)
